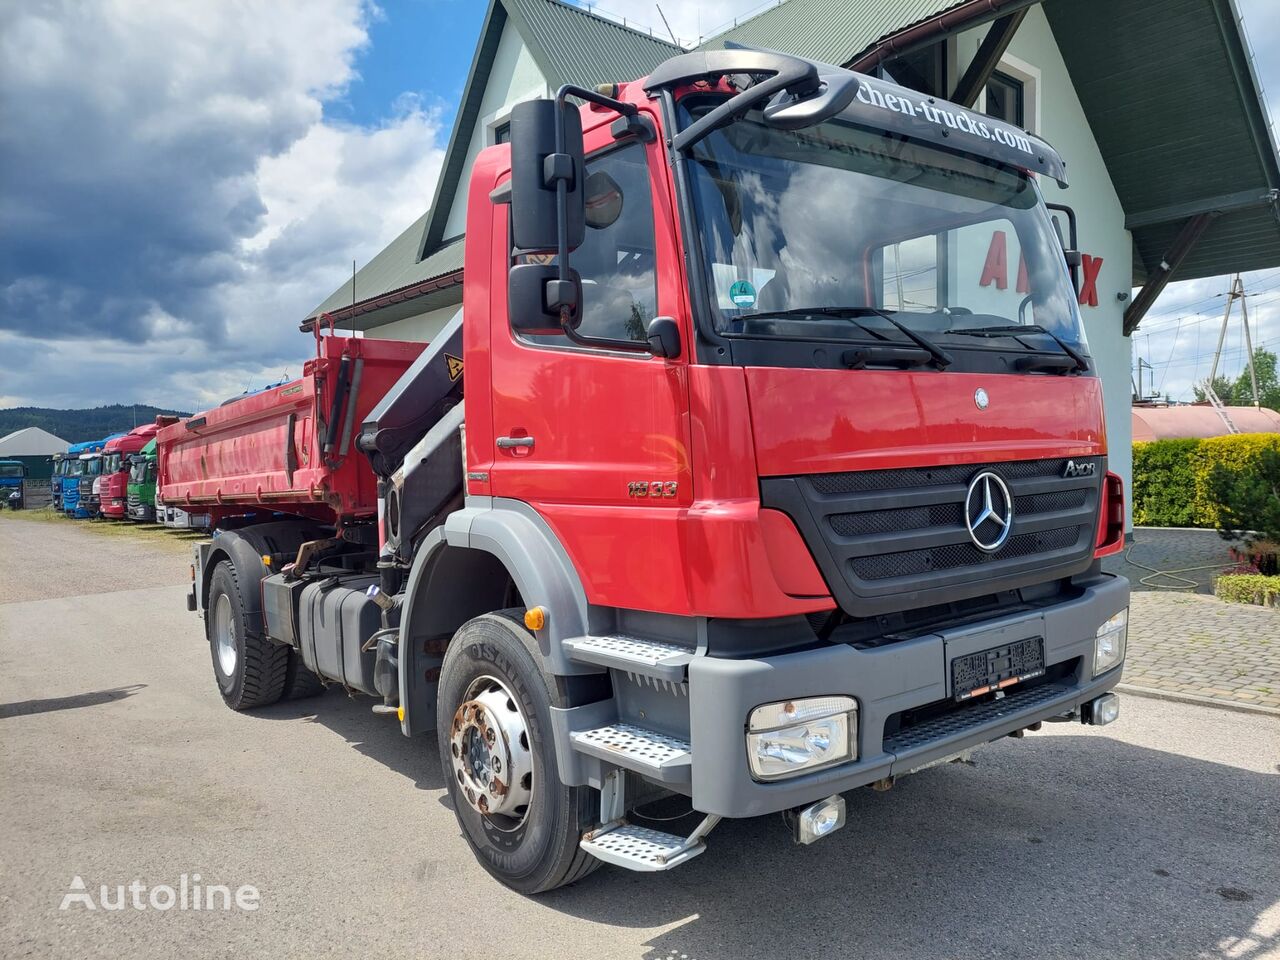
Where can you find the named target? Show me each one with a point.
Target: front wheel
(493, 725)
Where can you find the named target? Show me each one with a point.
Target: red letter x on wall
(1089, 283)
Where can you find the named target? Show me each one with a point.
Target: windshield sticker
(743, 294)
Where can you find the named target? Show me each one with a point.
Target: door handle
(508, 443)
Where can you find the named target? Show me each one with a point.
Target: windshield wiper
(1014, 330)
(935, 354)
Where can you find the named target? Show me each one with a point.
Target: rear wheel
(249, 668)
(493, 725)
(299, 681)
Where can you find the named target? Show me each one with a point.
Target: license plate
(988, 670)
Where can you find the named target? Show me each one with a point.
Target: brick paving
(1187, 643)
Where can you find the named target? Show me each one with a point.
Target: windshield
(93, 467)
(851, 220)
(137, 470)
(11, 470)
(112, 462)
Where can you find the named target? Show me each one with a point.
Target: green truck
(142, 484)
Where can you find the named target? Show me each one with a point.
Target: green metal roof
(833, 31)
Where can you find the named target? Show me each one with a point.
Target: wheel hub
(224, 632)
(489, 748)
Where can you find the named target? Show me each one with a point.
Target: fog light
(1109, 643)
(819, 819)
(1104, 710)
(797, 736)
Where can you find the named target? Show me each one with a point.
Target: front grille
(964, 718)
(894, 540)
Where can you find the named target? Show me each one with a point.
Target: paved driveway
(1155, 837)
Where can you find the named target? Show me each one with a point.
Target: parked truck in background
(13, 484)
(747, 494)
(115, 467)
(79, 455)
(141, 491)
(60, 466)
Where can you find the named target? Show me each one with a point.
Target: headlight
(798, 736)
(1109, 643)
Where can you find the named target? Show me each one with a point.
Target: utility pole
(1143, 363)
(1236, 293)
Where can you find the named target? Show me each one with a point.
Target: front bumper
(886, 681)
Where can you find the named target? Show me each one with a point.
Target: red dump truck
(747, 495)
(113, 493)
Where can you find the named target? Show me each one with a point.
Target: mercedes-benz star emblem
(981, 399)
(988, 511)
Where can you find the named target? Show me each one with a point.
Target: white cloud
(174, 199)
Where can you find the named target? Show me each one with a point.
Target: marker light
(535, 618)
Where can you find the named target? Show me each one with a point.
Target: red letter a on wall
(997, 266)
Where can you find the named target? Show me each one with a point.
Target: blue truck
(13, 490)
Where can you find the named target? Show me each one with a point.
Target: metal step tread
(637, 748)
(653, 657)
(640, 848)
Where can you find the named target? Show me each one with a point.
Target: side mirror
(664, 338)
(535, 294)
(1071, 246)
(538, 166)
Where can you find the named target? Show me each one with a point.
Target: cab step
(651, 658)
(657, 755)
(640, 848)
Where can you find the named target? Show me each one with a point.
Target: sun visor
(887, 106)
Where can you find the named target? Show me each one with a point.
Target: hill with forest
(76, 425)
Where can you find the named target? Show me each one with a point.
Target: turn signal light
(535, 618)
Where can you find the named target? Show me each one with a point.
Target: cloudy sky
(181, 182)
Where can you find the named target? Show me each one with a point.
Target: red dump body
(274, 450)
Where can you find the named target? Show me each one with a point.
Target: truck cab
(750, 493)
(13, 484)
(116, 456)
(141, 489)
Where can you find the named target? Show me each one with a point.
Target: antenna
(668, 25)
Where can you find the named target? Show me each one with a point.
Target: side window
(616, 260)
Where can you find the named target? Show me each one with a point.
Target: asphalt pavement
(1158, 836)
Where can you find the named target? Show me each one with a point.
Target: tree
(1247, 496)
(1264, 363)
(1221, 386)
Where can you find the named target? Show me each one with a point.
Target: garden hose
(1185, 584)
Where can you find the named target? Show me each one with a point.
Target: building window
(923, 70)
(1006, 97)
(502, 132)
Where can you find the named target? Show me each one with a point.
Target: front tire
(249, 668)
(495, 704)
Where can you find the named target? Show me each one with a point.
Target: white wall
(513, 78)
(1058, 117)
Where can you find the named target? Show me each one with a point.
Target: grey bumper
(886, 681)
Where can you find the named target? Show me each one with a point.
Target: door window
(616, 260)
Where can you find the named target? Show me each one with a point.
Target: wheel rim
(490, 755)
(224, 635)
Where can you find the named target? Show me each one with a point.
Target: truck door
(602, 433)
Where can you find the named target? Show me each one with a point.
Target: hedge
(1170, 477)
(1248, 588)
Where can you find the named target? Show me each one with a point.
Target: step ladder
(1218, 407)
(649, 658)
(639, 848)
